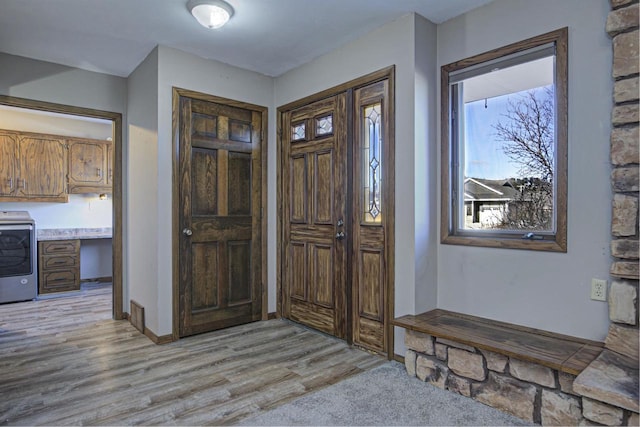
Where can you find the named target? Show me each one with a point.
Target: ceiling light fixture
(210, 13)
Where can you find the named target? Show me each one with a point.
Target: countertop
(73, 233)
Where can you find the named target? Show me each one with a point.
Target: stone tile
(624, 146)
(495, 362)
(626, 179)
(566, 382)
(601, 412)
(617, 3)
(625, 54)
(611, 378)
(626, 90)
(507, 394)
(623, 340)
(623, 298)
(441, 351)
(432, 371)
(624, 114)
(625, 269)
(532, 372)
(622, 19)
(559, 409)
(625, 248)
(633, 420)
(624, 216)
(456, 344)
(459, 385)
(419, 342)
(466, 364)
(586, 423)
(410, 362)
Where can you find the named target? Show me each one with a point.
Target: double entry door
(337, 214)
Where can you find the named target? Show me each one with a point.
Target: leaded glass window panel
(324, 125)
(372, 163)
(298, 132)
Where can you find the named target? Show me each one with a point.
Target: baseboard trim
(398, 358)
(163, 339)
(98, 279)
(272, 315)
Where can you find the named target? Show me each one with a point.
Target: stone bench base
(529, 390)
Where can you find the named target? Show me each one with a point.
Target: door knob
(187, 232)
(340, 235)
(340, 223)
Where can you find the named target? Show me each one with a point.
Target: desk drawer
(60, 281)
(55, 247)
(61, 261)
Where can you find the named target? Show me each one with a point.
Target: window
(504, 146)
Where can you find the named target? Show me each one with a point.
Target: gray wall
(544, 290)
(141, 191)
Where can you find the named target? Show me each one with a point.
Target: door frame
(388, 187)
(118, 312)
(177, 93)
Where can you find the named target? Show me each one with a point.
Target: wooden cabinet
(58, 266)
(33, 167)
(89, 166)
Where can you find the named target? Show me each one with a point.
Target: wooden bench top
(564, 353)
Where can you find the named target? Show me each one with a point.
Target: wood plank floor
(64, 361)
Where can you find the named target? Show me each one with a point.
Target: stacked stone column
(622, 26)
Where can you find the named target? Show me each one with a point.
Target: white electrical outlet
(598, 289)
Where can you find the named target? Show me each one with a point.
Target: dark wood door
(372, 215)
(314, 214)
(220, 216)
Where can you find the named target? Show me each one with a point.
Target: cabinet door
(87, 164)
(43, 166)
(8, 164)
(109, 164)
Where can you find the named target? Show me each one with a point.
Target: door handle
(340, 235)
(187, 232)
(340, 222)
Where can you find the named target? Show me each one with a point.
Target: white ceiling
(267, 36)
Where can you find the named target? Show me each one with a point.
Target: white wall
(425, 166)
(391, 44)
(96, 260)
(544, 290)
(45, 81)
(141, 191)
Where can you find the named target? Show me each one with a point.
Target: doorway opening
(90, 192)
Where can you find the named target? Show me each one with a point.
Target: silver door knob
(340, 235)
(187, 232)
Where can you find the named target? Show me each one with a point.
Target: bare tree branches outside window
(527, 132)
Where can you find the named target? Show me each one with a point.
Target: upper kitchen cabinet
(89, 166)
(33, 167)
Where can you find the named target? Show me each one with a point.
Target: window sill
(506, 243)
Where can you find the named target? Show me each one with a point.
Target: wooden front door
(314, 154)
(220, 193)
(336, 197)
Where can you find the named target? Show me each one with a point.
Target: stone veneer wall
(622, 26)
(527, 390)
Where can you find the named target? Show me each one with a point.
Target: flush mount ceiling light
(210, 13)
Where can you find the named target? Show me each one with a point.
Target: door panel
(314, 279)
(43, 167)
(8, 164)
(220, 199)
(371, 216)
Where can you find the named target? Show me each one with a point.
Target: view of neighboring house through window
(507, 147)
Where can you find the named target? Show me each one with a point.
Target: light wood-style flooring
(64, 361)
